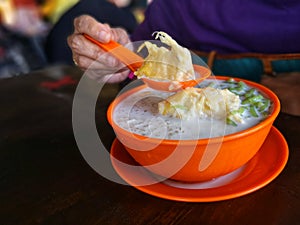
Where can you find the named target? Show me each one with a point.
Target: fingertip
(104, 36)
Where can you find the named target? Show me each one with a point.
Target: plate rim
(234, 189)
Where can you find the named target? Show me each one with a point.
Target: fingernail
(103, 36)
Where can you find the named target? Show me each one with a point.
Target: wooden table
(45, 180)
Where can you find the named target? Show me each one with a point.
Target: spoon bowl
(201, 73)
(134, 61)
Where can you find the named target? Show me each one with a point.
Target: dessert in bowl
(168, 144)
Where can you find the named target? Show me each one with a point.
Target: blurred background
(25, 27)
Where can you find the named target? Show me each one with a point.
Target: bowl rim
(270, 94)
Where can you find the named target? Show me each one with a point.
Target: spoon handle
(132, 60)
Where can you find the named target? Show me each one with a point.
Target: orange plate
(264, 167)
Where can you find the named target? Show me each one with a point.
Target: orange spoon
(129, 58)
(133, 61)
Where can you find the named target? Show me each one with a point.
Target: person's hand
(88, 56)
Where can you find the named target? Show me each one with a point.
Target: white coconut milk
(138, 113)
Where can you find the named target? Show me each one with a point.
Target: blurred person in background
(24, 27)
(23, 16)
(22, 32)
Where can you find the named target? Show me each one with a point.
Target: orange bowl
(196, 160)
